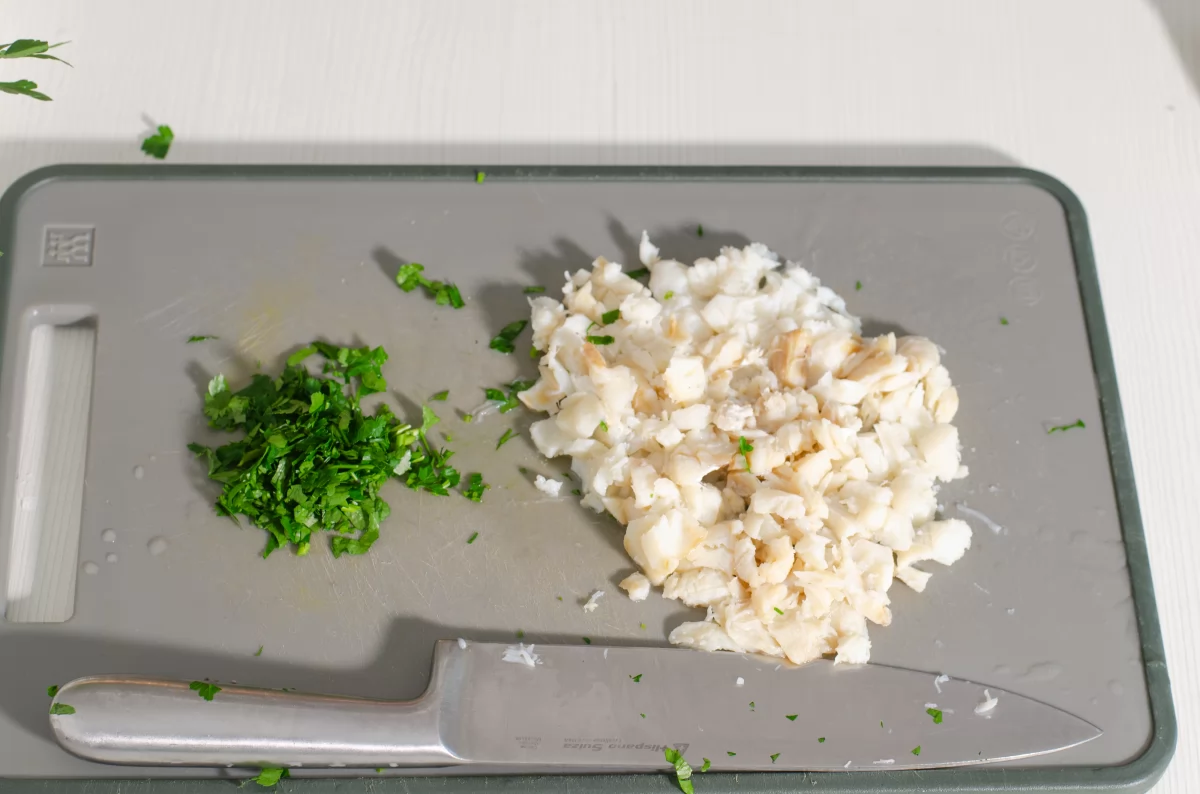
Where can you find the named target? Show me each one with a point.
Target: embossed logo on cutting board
(68, 246)
(1020, 255)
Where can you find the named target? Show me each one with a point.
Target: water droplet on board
(1116, 688)
(138, 472)
(157, 546)
(110, 557)
(109, 536)
(1043, 671)
(90, 567)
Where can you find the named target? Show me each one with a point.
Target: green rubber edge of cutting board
(1136, 776)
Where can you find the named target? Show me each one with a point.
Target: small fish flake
(593, 601)
(740, 681)
(521, 654)
(987, 705)
(462, 643)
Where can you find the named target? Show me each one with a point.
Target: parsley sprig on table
(311, 459)
(27, 48)
(444, 293)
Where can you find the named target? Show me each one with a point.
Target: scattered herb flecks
(471, 539)
(411, 276)
(475, 487)
(504, 439)
(600, 340)
(683, 770)
(201, 338)
(608, 318)
(61, 709)
(508, 401)
(270, 775)
(792, 717)
(503, 341)
(916, 750)
(52, 690)
(158, 144)
(204, 689)
(1065, 428)
(932, 712)
(311, 459)
(637, 679)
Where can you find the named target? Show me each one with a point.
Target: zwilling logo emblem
(69, 245)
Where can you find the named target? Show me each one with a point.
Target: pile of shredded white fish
(767, 461)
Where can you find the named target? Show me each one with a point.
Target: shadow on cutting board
(34, 660)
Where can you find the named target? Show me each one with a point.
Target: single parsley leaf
(858, 285)
(935, 713)
(752, 705)
(535, 290)
(24, 88)
(412, 275)
(494, 394)
(707, 765)
(503, 341)
(471, 539)
(52, 690)
(30, 48)
(730, 753)
(608, 318)
(409, 277)
(792, 717)
(774, 756)
(637, 679)
(699, 231)
(158, 144)
(603, 425)
(479, 177)
(520, 634)
(475, 488)
(821, 740)
(641, 271)
(259, 651)
(643, 716)
(504, 439)
(600, 340)
(440, 396)
(1004, 321)
(1065, 428)
(778, 610)
(270, 775)
(669, 294)
(204, 338)
(204, 690)
(683, 770)
(587, 640)
(916, 750)
(61, 709)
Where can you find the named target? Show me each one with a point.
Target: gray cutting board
(269, 261)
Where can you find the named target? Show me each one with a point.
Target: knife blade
(575, 709)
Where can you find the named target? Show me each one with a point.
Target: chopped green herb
(777, 609)
(730, 753)
(587, 640)
(1065, 428)
(576, 492)
(858, 285)
(259, 651)
(311, 460)
(158, 144)
(504, 439)
(1004, 321)
(479, 177)
(916, 750)
(641, 271)
(932, 712)
(270, 775)
(608, 318)
(379, 770)
(881, 723)
(600, 340)
(503, 341)
(205, 338)
(468, 418)
(475, 488)
(643, 626)
(204, 690)
(637, 679)
(603, 425)
(683, 770)
(752, 705)
(410, 276)
(558, 597)
(821, 740)
(61, 709)
(744, 449)
(535, 290)
(471, 539)
(534, 353)
(707, 765)
(669, 294)
(699, 231)
(792, 717)
(643, 716)
(440, 396)
(774, 757)
(520, 634)
(494, 394)
(52, 690)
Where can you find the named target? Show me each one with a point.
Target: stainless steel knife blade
(576, 708)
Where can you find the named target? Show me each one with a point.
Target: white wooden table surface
(1100, 93)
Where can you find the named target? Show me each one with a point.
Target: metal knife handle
(131, 720)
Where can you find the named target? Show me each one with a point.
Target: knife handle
(144, 721)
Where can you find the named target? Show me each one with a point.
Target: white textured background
(1100, 93)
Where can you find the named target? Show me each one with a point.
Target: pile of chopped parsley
(311, 460)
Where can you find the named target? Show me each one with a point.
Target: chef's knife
(574, 709)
